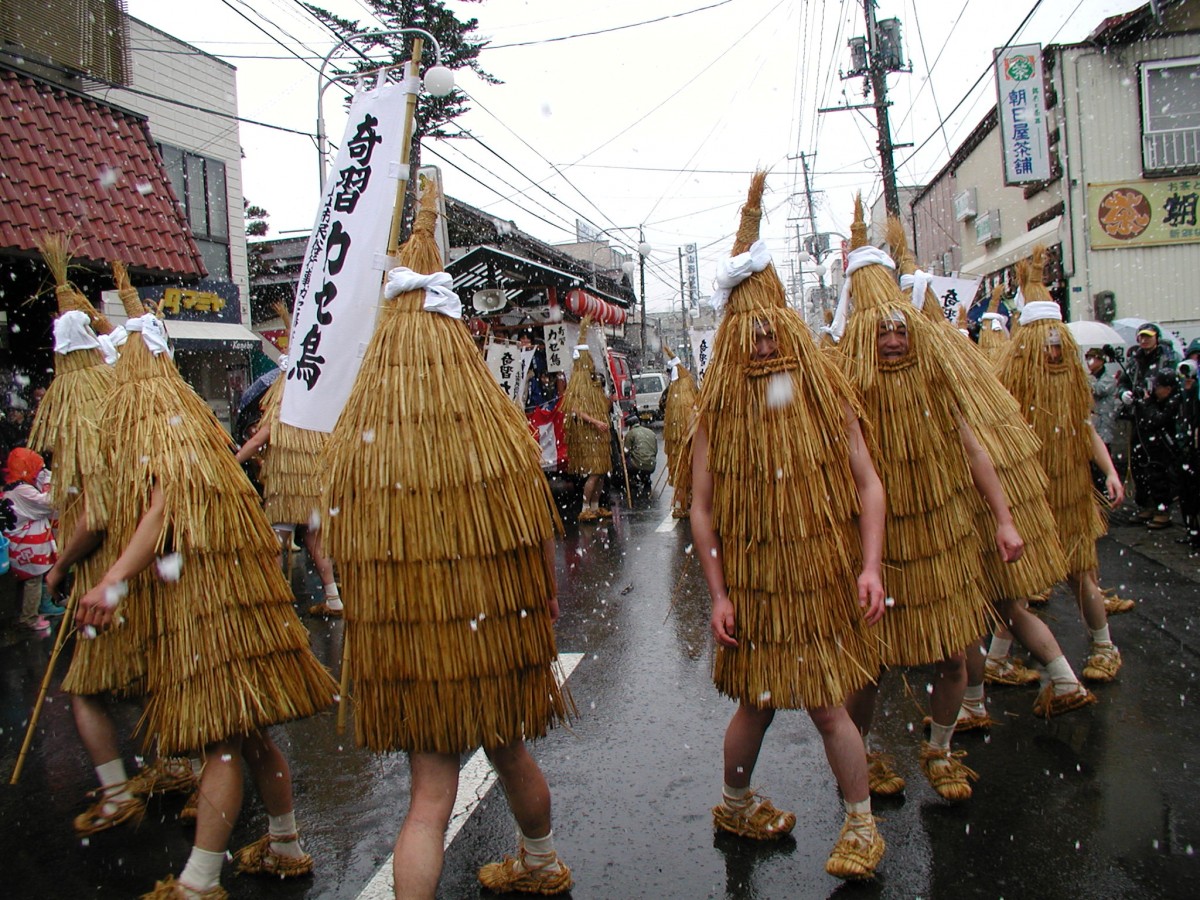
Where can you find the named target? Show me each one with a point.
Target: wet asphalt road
(1102, 803)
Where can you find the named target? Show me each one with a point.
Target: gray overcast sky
(659, 123)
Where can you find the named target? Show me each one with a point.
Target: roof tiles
(58, 154)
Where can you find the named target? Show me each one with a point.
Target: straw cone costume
(588, 449)
(1056, 400)
(931, 546)
(226, 653)
(995, 418)
(784, 503)
(290, 472)
(993, 335)
(439, 530)
(678, 423)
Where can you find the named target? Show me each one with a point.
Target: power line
(568, 37)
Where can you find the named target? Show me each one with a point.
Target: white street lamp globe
(805, 257)
(628, 266)
(821, 269)
(439, 80)
(644, 249)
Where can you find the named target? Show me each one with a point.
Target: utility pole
(877, 72)
(642, 267)
(812, 223)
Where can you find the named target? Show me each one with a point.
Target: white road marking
(475, 779)
(667, 524)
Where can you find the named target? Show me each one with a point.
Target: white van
(648, 390)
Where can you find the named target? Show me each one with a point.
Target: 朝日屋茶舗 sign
(1143, 213)
(1020, 103)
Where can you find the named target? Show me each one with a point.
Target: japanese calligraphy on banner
(557, 351)
(1021, 103)
(1143, 213)
(702, 343)
(341, 276)
(954, 292)
(504, 361)
(693, 274)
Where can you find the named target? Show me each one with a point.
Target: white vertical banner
(702, 342)
(504, 361)
(1021, 103)
(341, 276)
(954, 292)
(571, 330)
(558, 351)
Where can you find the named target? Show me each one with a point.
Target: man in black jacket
(1155, 451)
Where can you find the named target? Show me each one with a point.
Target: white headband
(1037, 310)
(998, 320)
(917, 283)
(154, 333)
(439, 298)
(733, 270)
(673, 365)
(111, 341)
(858, 258)
(73, 331)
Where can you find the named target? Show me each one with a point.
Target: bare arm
(1112, 481)
(254, 443)
(987, 482)
(97, 606)
(872, 509)
(80, 545)
(708, 543)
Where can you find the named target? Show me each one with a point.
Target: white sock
(999, 648)
(939, 735)
(112, 779)
(1062, 676)
(331, 591)
(540, 851)
(859, 808)
(282, 826)
(973, 697)
(203, 869)
(197, 765)
(1100, 636)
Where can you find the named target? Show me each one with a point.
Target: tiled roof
(69, 163)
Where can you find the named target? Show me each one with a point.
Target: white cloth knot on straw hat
(733, 270)
(153, 331)
(439, 296)
(858, 258)
(577, 349)
(917, 283)
(1038, 310)
(73, 331)
(998, 320)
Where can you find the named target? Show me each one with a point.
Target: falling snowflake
(170, 566)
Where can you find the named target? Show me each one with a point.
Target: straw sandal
(163, 776)
(588, 515)
(946, 774)
(1103, 663)
(324, 609)
(1115, 604)
(967, 720)
(170, 889)
(858, 850)
(1008, 671)
(94, 819)
(1038, 599)
(680, 513)
(881, 777)
(259, 859)
(1049, 703)
(604, 513)
(504, 877)
(1159, 522)
(758, 819)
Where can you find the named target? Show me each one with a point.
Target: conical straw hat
(587, 447)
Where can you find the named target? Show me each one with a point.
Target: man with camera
(1155, 457)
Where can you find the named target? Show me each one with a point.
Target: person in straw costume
(679, 411)
(993, 326)
(226, 655)
(1042, 369)
(113, 665)
(443, 524)
(932, 466)
(291, 479)
(996, 420)
(586, 410)
(787, 516)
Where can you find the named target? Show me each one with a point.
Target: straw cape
(115, 660)
(438, 517)
(992, 340)
(588, 449)
(931, 549)
(678, 423)
(227, 654)
(291, 465)
(784, 502)
(1056, 400)
(995, 418)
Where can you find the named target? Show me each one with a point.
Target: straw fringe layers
(291, 467)
(588, 448)
(226, 653)
(438, 522)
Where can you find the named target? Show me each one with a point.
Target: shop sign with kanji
(1143, 213)
(1021, 104)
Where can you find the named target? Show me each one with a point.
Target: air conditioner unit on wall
(987, 227)
(965, 205)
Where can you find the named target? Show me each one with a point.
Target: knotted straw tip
(751, 214)
(858, 230)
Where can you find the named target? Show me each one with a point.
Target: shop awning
(523, 280)
(190, 335)
(1011, 251)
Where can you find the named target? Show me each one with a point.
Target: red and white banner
(341, 277)
(547, 428)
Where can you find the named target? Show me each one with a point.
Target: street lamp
(644, 250)
(438, 80)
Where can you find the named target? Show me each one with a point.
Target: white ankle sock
(939, 735)
(540, 851)
(1101, 636)
(197, 765)
(735, 796)
(973, 695)
(281, 826)
(1062, 676)
(862, 807)
(203, 869)
(112, 779)
(333, 602)
(999, 648)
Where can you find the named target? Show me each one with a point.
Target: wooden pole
(410, 111)
(344, 680)
(60, 639)
(621, 448)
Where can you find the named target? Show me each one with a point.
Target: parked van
(648, 389)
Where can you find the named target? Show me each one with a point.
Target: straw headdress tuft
(56, 251)
(858, 228)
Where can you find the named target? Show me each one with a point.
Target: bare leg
(417, 859)
(96, 729)
(743, 741)
(844, 750)
(220, 795)
(525, 786)
(861, 705)
(1032, 632)
(271, 773)
(950, 680)
(976, 658)
(312, 542)
(1090, 599)
(590, 489)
